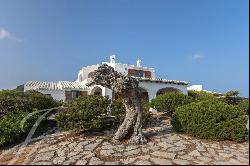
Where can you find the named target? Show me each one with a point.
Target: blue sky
(201, 41)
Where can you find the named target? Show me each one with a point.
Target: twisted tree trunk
(132, 125)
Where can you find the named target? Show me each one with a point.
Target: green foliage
(19, 88)
(211, 119)
(232, 93)
(11, 100)
(244, 105)
(118, 111)
(169, 101)
(10, 127)
(200, 95)
(85, 112)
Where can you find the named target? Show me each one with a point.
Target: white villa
(67, 90)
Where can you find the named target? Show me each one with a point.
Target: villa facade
(68, 90)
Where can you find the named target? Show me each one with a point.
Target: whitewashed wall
(56, 94)
(83, 73)
(152, 88)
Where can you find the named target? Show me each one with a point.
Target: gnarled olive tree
(127, 88)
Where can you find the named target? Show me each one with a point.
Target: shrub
(11, 100)
(244, 105)
(10, 127)
(85, 112)
(118, 111)
(169, 101)
(41, 101)
(200, 95)
(211, 119)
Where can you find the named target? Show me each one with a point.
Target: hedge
(211, 119)
(168, 102)
(11, 100)
(86, 112)
(10, 128)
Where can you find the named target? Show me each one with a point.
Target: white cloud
(4, 34)
(197, 56)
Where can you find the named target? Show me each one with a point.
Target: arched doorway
(96, 91)
(167, 90)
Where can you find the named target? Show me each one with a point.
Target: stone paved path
(165, 147)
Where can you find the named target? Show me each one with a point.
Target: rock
(106, 152)
(72, 145)
(186, 157)
(194, 153)
(154, 148)
(46, 156)
(69, 162)
(146, 157)
(160, 161)
(221, 163)
(131, 148)
(95, 161)
(142, 162)
(87, 154)
(91, 147)
(112, 163)
(145, 150)
(181, 162)
(211, 151)
(163, 154)
(48, 148)
(117, 154)
(235, 162)
(76, 157)
(176, 149)
(225, 155)
(107, 147)
(81, 162)
(165, 145)
(182, 143)
(174, 138)
(42, 163)
(64, 143)
(73, 153)
(132, 152)
(200, 148)
(59, 160)
(62, 152)
(204, 159)
(128, 160)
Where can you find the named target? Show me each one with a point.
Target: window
(139, 73)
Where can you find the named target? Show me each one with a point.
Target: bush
(118, 110)
(169, 101)
(200, 95)
(11, 100)
(211, 119)
(244, 105)
(85, 112)
(10, 127)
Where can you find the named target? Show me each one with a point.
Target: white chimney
(112, 59)
(138, 63)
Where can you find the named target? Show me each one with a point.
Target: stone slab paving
(165, 147)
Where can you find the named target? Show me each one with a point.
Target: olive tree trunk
(132, 125)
